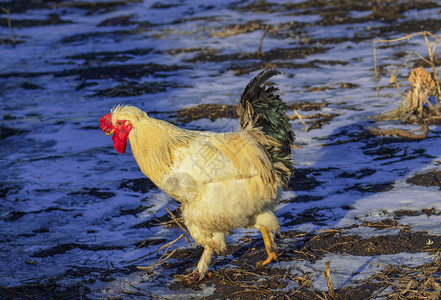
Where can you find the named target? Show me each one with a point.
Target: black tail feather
(260, 107)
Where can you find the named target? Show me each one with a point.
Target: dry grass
(416, 108)
(431, 48)
(167, 246)
(8, 13)
(386, 224)
(420, 282)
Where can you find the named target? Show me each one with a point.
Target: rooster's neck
(153, 144)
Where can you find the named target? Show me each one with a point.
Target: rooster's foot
(191, 278)
(272, 256)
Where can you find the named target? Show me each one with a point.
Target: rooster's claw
(191, 278)
(272, 256)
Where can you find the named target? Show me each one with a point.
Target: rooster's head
(120, 130)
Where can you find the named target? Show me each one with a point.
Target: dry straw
(8, 13)
(416, 107)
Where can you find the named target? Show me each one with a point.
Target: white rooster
(222, 180)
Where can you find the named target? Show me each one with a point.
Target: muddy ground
(103, 76)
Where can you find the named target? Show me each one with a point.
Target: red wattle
(120, 137)
(120, 141)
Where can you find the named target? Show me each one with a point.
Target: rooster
(222, 180)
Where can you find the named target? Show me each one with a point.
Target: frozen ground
(76, 218)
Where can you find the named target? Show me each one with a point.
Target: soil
(245, 280)
(206, 111)
(426, 179)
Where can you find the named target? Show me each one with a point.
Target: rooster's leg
(204, 262)
(270, 246)
(202, 268)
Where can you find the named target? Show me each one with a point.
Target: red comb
(106, 123)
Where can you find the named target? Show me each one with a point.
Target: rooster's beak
(109, 133)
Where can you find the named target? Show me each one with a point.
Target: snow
(347, 269)
(65, 155)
